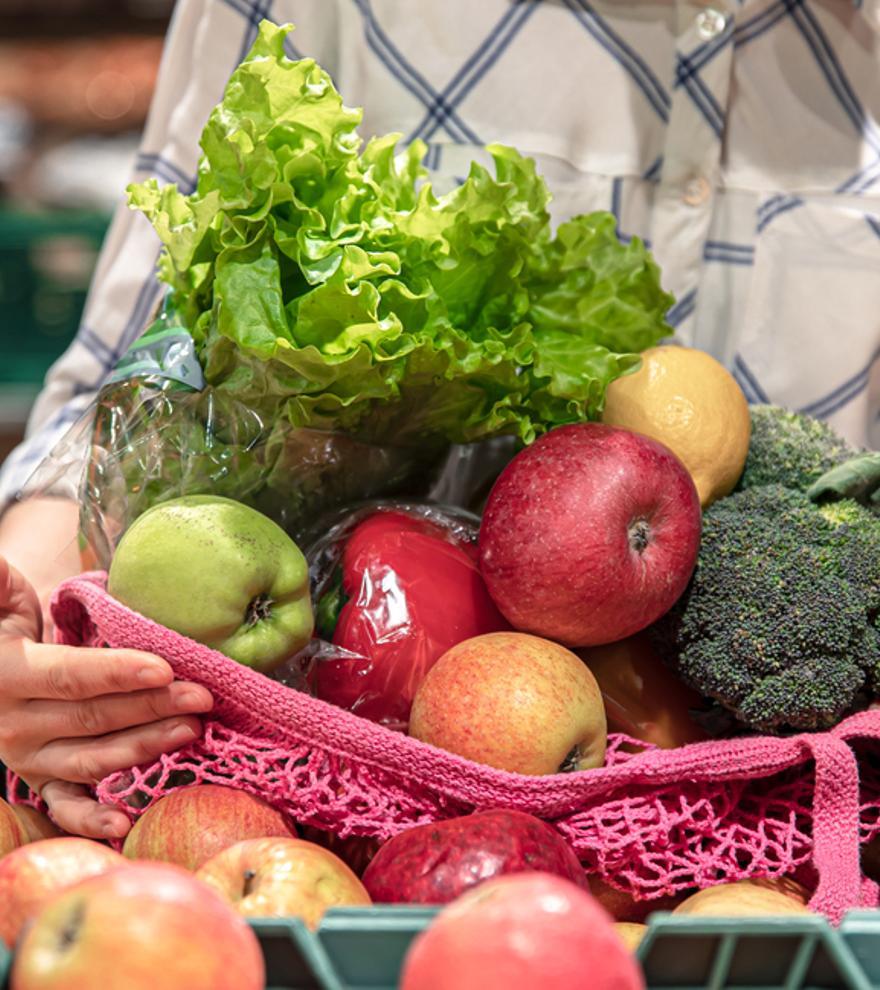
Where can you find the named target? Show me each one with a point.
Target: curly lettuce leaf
(328, 287)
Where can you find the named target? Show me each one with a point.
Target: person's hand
(70, 716)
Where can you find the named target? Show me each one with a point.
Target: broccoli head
(791, 449)
(778, 623)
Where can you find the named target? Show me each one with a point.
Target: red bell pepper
(407, 589)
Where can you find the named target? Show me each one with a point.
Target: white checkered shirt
(739, 138)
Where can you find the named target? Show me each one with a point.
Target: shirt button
(696, 191)
(710, 23)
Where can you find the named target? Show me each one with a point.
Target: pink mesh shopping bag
(650, 822)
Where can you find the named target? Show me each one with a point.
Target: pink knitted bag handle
(836, 827)
(641, 820)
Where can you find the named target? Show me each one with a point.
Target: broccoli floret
(790, 449)
(778, 623)
(853, 548)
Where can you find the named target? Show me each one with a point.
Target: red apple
(515, 702)
(31, 874)
(624, 907)
(590, 534)
(434, 864)
(283, 877)
(190, 825)
(12, 831)
(521, 932)
(139, 927)
(643, 697)
(36, 824)
(355, 851)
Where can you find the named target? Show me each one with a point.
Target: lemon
(690, 402)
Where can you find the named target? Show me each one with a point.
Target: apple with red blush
(590, 534)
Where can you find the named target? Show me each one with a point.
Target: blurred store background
(76, 78)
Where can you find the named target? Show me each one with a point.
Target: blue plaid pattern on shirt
(739, 138)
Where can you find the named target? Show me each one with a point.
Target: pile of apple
(588, 536)
(171, 907)
(203, 858)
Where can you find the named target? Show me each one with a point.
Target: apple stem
(249, 877)
(258, 610)
(571, 761)
(639, 535)
(70, 929)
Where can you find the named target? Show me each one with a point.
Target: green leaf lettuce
(327, 286)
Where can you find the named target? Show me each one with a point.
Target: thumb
(20, 611)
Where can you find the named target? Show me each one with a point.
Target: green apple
(219, 572)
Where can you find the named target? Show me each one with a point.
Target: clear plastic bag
(157, 431)
(151, 443)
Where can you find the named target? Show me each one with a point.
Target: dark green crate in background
(46, 264)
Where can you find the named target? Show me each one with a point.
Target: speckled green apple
(219, 572)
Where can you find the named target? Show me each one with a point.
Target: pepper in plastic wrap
(406, 588)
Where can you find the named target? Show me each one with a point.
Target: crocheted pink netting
(651, 822)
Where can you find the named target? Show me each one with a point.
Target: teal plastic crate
(354, 948)
(795, 952)
(364, 948)
(294, 957)
(5, 963)
(861, 933)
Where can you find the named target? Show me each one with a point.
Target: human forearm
(38, 537)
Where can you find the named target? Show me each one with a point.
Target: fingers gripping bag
(336, 333)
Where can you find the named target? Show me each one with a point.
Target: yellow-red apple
(12, 832)
(139, 927)
(36, 824)
(190, 825)
(515, 702)
(33, 873)
(283, 877)
(643, 697)
(748, 898)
